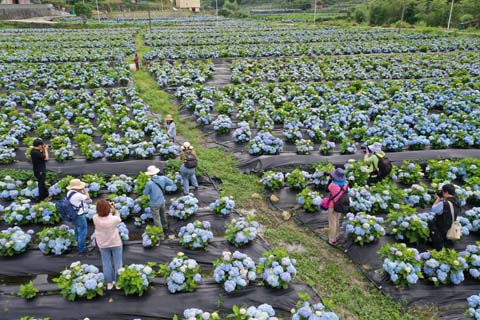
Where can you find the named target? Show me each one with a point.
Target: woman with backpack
(78, 196)
(379, 165)
(187, 170)
(337, 188)
(108, 240)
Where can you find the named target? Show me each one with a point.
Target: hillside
(328, 5)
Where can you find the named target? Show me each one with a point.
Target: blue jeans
(80, 224)
(111, 262)
(188, 175)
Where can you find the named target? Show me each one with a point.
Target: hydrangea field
(312, 96)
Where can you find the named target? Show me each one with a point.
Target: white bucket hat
(376, 147)
(152, 170)
(76, 184)
(186, 145)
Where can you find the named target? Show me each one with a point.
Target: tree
(83, 10)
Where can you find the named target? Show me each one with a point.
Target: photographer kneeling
(446, 209)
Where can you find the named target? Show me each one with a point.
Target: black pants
(438, 239)
(42, 188)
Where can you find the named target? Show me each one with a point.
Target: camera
(438, 193)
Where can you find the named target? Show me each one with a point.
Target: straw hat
(186, 145)
(338, 174)
(76, 184)
(169, 117)
(152, 170)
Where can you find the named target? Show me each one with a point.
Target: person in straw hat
(187, 170)
(337, 188)
(171, 128)
(78, 196)
(154, 190)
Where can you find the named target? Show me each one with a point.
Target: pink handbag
(325, 202)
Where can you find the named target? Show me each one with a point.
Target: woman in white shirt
(78, 200)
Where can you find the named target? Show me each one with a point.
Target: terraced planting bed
(75, 91)
(286, 104)
(292, 120)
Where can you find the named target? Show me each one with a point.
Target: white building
(188, 4)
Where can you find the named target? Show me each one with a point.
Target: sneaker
(109, 286)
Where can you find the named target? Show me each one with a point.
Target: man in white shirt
(78, 200)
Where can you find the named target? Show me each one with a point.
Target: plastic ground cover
(156, 303)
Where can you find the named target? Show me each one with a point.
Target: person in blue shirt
(446, 209)
(154, 190)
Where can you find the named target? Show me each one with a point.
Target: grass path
(341, 286)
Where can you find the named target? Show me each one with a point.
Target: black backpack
(342, 205)
(190, 161)
(384, 167)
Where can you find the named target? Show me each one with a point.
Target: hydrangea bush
(14, 241)
(242, 231)
(403, 264)
(277, 268)
(272, 180)
(265, 143)
(309, 200)
(135, 279)
(262, 312)
(80, 281)
(195, 235)
(183, 207)
(223, 206)
(19, 213)
(444, 267)
(234, 271)
(304, 146)
(410, 173)
(305, 310)
(197, 314)
(181, 274)
(56, 240)
(406, 224)
(242, 134)
(45, 212)
(363, 228)
(152, 236)
(297, 179)
(472, 256)
(473, 310)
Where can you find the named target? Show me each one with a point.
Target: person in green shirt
(373, 154)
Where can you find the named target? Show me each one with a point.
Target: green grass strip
(341, 286)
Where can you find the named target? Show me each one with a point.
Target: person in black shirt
(39, 155)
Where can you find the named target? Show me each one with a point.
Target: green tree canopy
(83, 10)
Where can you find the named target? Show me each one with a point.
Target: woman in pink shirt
(337, 188)
(108, 240)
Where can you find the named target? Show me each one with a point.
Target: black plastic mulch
(156, 303)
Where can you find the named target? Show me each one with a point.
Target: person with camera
(78, 197)
(154, 190)
(337, 187)
(446, 209)
(379, 166)
(108, 240)
(39, 156)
